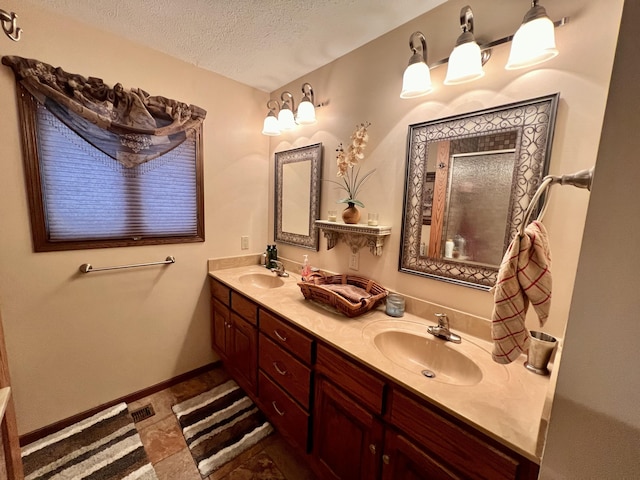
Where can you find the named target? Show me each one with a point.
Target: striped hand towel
(524, 276)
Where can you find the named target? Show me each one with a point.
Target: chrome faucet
(442, 330)
(279, 269)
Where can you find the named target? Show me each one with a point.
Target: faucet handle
(443, 320)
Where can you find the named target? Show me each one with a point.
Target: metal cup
(541, 347)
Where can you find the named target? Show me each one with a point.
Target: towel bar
(581, 179)
(87, 268)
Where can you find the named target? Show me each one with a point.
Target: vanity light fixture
(284, 116)
(416, 80)
(10, 26)
(534, 42)
(466, 60)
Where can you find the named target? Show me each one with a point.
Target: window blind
(88, 195)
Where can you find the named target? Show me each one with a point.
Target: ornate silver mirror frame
(297, 195)
(530, 124)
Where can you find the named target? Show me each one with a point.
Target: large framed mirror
(469, 179)
(297, 195)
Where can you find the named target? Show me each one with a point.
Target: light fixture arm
(466, 19)
(417, 57)
(285, 102)
(273, 106)
(9, 25)
(307, 93)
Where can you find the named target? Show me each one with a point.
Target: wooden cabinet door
(219, 328)
(242, 353)
(404, 460)
(347, 438)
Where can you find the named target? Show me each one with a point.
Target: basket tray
(351, 295)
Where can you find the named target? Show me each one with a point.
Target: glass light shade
(271, 126)
(465, 64)
(306, 113)
(416, 80)
(533, 43)
(285, 119)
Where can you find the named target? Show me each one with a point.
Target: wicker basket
(313, 289)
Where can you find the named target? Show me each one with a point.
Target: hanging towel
(524, 276)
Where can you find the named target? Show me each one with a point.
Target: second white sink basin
(408, 345)
(433, 356)
(261, 280)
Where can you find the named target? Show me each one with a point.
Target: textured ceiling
(262, 43)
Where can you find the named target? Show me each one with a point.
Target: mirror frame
(312, 153)
(534, 121)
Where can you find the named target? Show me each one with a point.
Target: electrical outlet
(244, 242)
(354, 259)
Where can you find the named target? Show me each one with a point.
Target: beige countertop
(510, 404)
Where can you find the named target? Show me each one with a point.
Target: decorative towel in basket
(349, 294)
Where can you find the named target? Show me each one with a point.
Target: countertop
(510, 403)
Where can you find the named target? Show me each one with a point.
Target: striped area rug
(106, 446)
(219, 425)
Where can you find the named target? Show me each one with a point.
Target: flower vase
(351, 214)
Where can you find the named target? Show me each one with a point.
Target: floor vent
(143, 413)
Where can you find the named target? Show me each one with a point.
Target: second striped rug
(219, 425)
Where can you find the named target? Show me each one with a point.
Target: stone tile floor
(167, 450)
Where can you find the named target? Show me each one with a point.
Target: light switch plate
(244, 242)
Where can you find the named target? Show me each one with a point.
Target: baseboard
(31, 437)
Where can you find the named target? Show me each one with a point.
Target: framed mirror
(297, 195)
(469, 179)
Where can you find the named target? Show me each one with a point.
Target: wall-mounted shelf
(356, 236)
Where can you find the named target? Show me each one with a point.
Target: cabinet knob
(385, 459)
(372, 449)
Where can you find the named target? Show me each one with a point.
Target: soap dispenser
(306, 268)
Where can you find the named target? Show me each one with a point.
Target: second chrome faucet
(442, 329)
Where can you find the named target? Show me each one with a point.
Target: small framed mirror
(297, 195)
(469, 180)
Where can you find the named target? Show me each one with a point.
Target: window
(81, 197)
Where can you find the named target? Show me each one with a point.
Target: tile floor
(162, 438)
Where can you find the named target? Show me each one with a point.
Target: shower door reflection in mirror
(469, 180)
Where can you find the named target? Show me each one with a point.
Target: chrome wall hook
(10, 26)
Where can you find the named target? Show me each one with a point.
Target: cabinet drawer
(219, 291)
(284, 412)
(287, 336)
(292, 375)
(367, 388)
(458, 448)
(245, 307)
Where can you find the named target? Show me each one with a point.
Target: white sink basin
(434, 356)
(409, 345)
(261, 280)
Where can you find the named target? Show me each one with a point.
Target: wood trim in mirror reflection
(439, 198)
(525, 128)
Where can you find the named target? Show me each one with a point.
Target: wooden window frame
(27, 106)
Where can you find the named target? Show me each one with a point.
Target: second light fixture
(286, 119)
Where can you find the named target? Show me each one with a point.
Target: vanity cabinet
(353, 422)
(234, 334)
(348, 429)
(285, 377)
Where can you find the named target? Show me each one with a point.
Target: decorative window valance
(131, 126)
